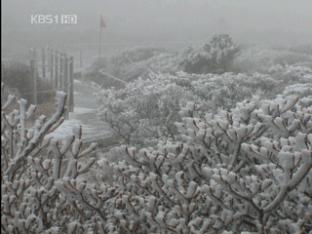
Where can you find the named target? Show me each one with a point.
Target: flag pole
(100, 41)
(102, 26)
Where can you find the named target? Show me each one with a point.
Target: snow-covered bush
(243, 170)
(261, 59)
(132, 64)
(145, 110)
(35, 167)
(225, 90)
(291, 74)
(246, 170)
(219, 55)
(216, 56)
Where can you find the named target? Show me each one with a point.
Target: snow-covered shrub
(261, 59)
(214, 57)
(245, 170)
(225, 90)
(145, 110)
(132, 64)
(219, 55)
(36, 171)
(291, 74)
(136, 54)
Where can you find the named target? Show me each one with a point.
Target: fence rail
(56, 67)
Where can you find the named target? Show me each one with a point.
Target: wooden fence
(57, 68)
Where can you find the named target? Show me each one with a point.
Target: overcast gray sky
(136, 21)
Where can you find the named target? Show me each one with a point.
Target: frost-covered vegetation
(216, 56)
(216, 149)
(131, 64)
(248, 169)
(145, 111)
(33, 167)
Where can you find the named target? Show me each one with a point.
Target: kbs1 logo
(53, 19)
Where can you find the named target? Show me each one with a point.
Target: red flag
(102, 22)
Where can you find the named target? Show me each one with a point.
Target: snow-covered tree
(216, 56)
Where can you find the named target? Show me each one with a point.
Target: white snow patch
(67, 128)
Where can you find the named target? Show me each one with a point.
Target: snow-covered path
(84, 115)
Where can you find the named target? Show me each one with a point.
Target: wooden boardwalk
(58, 68)
(93, 129)
(85, 115)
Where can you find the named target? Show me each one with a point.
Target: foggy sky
(140, 21)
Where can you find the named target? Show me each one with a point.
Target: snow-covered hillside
(222, 149)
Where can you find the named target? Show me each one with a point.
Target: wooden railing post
(50, 66)
(66, 83)
(61, 80)
(57, 71)
(58, 67)
(43, 63)
(33, 67)
(71, 84)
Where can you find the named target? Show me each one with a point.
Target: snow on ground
(84, 115)
(81, 110)
(67, 128)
